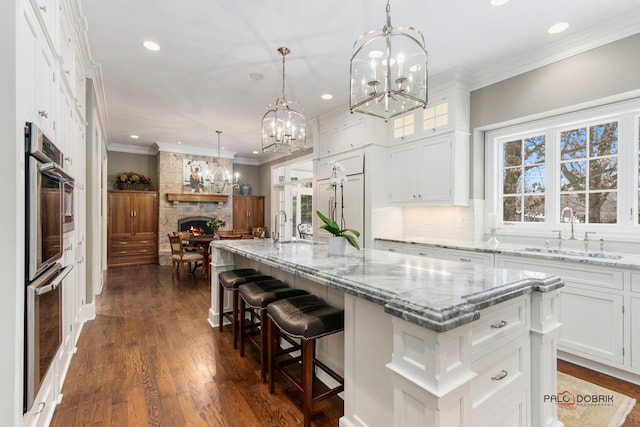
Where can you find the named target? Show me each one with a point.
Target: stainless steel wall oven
(45, 224)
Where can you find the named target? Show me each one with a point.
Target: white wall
(12, 220)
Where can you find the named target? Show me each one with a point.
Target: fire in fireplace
(195, 224)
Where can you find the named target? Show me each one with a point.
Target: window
(403, 126)
(582, 167)
(589, 173)
(523, 182)
(436, 116)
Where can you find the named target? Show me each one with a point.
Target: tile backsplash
(454, 222)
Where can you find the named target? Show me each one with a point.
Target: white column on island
(545, 331)
(220, 261)
(431, 375)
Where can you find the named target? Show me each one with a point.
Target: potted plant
(337, 242)
(340, 233)
(215, 224)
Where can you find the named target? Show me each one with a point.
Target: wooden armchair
(180, 257)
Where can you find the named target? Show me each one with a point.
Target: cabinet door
(241, 206)
(434, 171)
(635, 332)
(29, 40)
(592, 323)
(403, 174)
(144, 214)
(120, 215)
(256, 212)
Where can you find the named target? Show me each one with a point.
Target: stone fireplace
(173, 215)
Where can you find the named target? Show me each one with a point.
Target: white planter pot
(337, 245)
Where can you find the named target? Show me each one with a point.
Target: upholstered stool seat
(308, 318)
(230, 280)
(257, 296)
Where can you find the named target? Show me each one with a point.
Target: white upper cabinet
(433, 171)
(37, 71)
(431, 167)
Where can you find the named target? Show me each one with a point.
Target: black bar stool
(229, 281)
(257, 296)
(307, 318)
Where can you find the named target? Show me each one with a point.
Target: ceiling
(200, 80)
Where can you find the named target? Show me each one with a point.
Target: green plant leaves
(332, 227)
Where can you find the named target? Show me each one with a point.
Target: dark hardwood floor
(150, 358)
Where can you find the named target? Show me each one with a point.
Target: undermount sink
(573, 253)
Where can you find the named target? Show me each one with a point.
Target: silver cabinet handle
(43, 113)
(502, 375)
(422, 254)
(499, 325)
(464, 259)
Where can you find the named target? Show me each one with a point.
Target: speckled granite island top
(436, 294)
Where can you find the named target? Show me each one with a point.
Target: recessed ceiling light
(327, 96)
(498, 2)
(151, 45)
(558, 27)
(256, 76)
(179, 142)
(255, 152)
(134, 137)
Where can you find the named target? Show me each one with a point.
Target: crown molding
(605, 33)
(148, 150)
(195, 151)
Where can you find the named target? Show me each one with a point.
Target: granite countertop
(608, 259)
(436, 294)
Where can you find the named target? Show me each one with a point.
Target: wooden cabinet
(248, 212)
(133, 227)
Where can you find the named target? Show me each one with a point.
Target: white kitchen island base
(492, 370)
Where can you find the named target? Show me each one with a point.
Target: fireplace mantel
(197, 197)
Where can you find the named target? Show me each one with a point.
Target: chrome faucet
(568, 208)
(276, 228)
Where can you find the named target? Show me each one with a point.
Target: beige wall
(144, 164)
(600, 73)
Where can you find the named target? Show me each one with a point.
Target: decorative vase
(337, 245)
(245, 189)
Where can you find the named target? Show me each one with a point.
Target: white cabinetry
(635, 321)
(423, 250)
(37, 70)
(591, 307)
(391, 247)
(433, 171)
(468, 256)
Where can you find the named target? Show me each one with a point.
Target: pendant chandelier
(388, 71)
(219, 177)
(283, 128)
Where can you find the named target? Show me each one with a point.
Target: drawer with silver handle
(498, 324)
(503, 368)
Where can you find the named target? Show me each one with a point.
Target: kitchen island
(426, 341)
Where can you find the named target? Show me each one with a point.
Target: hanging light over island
(388, 71)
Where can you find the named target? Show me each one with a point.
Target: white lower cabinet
(471, 257)
(635, 332)
(592, 323)
(591, 308)
(391, 247)
(422, 250)
(499, 374)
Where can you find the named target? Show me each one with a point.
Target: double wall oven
(47, 190)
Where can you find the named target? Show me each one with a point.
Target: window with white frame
(403, 126)
(582, 167)
(435, 116)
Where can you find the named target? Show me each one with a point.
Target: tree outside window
(523, 177)
(589, 173)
